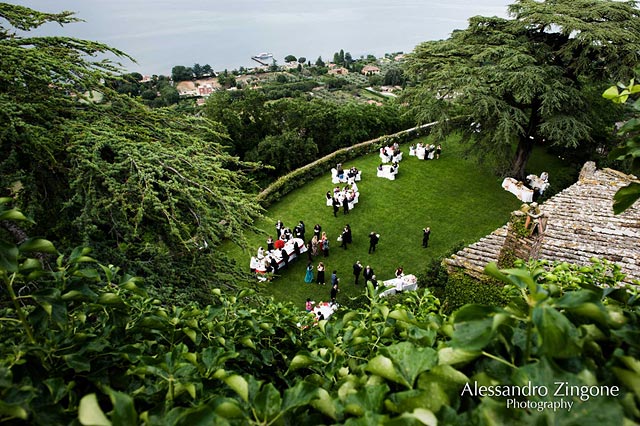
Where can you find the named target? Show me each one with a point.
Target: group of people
(339, 175)
(347, 197)
(391, 154)
(388, 171)
(426, 151)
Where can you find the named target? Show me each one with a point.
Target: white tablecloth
(326, 309)
(406, 283)
(538, 183)
(259, 266)
(340, 196)
(345, 176)
(386, 172)
(518, 189)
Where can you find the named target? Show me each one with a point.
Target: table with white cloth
(340, 196)
(538, 183)
(518, 189)
(277, 255)
(345, 177)
(404, 283)
(421, 152)
(387, 172)
(325, 308)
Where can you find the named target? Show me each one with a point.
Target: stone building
(578, 224)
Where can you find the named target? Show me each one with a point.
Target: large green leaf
(12, 411)
(558, 336)
(8, 256)
(90, 413)
(410, 360)
(124, 412)
(12, 214)
(39, 245)
(625, 197)
(301, 394)
(267, 403)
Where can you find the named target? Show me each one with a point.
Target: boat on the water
(263, 56)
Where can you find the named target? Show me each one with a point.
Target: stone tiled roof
(581, 225)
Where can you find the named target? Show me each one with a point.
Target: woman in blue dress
(308, 278)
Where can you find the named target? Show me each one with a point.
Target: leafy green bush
(82, 343)
(462, 289)
(299, 177)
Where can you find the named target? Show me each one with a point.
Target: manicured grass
(459, 199)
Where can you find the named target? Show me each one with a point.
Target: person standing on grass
(347, 232)
(343, 239)
(426, 233)
(308, 277)
(320, 274)
(373, 241)
(374, 282)
(367, 274)
(325, 246)
(334, 293)
(345, 204)
(336, 207)
(317, 230)
(334, 277)
(438, 151)
(357, 269)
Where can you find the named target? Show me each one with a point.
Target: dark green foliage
(150, 189)
(84, 344)
(261, 129)
(302, 175)
(529, 80)
(461, 289)
(181, 73)
(630, 150)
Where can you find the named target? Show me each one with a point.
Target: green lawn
(458, 198)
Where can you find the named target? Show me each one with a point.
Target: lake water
(225, 34)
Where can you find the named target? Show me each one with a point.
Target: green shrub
(462, 289)
(299, 177)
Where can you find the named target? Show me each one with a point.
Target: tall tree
(150, 189)
(181, 73)
(520, 81)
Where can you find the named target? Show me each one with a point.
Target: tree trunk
(525, 146)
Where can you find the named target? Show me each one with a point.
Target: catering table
(518, 189)
(386, 172)
(259, 266)
(325, 308)
(405, 283)
(538, 183)
(340, 196)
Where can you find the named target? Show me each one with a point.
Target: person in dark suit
(357, 269)
(334, 293)
(317, 231)
(301, 230)
(336, 207)
(374, 281)
(426, 233)
(279, 228)
(367, 274)
(345, 205)
(373, 241)
(285, 257)
(343, 238)
(347, 230)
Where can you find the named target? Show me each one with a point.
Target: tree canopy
(525, 80)
(152, 189)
